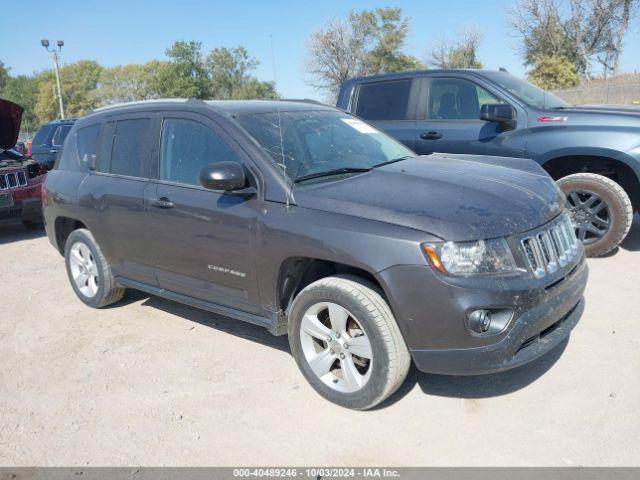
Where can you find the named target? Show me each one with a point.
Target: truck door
(449, 121)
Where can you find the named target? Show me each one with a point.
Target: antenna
(275, 83)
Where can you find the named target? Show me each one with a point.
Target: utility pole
(54, 56)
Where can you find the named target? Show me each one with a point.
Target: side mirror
(497, 112)
(224, 176)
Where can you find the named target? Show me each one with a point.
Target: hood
(455, 197)
(603, 113)
(628, 109)
(10, 119)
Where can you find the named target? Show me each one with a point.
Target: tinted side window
(187, 146)
(384, 100)
(43, 135)
(457, 99)
(60, 135)
(106, 143)
(130, 147)
(67, 158)
(87, 145)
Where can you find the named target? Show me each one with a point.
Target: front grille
(12, 180)
(10, 214)
(551, 248)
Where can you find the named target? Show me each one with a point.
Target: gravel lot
(150, 382)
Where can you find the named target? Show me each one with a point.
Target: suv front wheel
(89, 272)
(347, 343)
(601, 211)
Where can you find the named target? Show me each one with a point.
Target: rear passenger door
(390, 106)
(203, 241)
(449, 120)
(116, 193)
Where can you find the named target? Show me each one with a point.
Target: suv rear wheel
(600, 209)
(89, 272)
(347, 343)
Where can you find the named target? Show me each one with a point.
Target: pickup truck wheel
(347, 343)
(601, 211)
(89, 272)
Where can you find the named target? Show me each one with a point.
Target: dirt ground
(150, 382)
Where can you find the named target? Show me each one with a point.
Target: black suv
(592, 151)
(312, 223)
(48, 141)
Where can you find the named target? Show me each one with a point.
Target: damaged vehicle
(307, 221)
(20, 177)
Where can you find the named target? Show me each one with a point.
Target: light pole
(54, 56)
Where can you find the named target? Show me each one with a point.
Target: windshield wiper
(328, 173)
(399, 159)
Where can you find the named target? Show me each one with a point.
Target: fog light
(480, 321)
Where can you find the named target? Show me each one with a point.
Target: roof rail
(141, 102)
(301, 100)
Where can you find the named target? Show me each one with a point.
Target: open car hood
(10, 119)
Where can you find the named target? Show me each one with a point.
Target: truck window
(187, 147)
(129, 147)
(43, 135)
(384, 100)
(60, 135)
(457, 99)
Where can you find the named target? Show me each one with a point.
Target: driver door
(449, 121)
(203, 241)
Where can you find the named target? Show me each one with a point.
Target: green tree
(4, 75)
(383, 32)
(581, 31)
(127, 83)
(228, 70)
(552, 73)
(77, 80)
(253, 88)
(23, 89)
(184, 75)
(367, 42)
(463, 53)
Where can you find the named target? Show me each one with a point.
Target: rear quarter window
(384, 100)
(87, 146)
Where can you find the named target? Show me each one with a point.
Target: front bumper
(28, 209)
(432, 321)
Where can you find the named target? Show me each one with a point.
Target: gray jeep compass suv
(312, 223)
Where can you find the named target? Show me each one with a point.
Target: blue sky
(135, 31)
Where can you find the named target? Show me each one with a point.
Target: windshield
(321, 141)
(528, 93)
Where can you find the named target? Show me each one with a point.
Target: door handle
(430, 135)
(162, 202)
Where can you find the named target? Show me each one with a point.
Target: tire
(611, 204)
(100, 288)
(33, 225)
(369, 315)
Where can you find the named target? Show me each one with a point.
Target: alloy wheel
(590, 215)
(336, 347)
(84, 270)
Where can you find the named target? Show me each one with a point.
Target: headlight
(471, 258)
